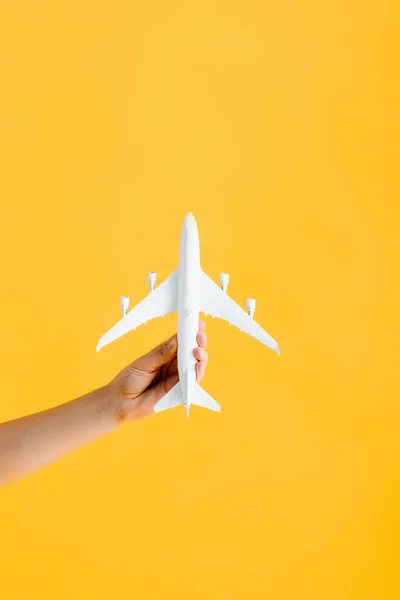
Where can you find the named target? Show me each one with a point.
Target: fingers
(200, 353)
(164, 353)
(202, 336)
(202, 359)
(159, 356)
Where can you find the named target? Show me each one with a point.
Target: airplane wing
(215, 302)
(163, 300)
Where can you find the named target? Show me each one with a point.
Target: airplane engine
(251, 306)
(151, 278)
(124, 303)
(224, 280)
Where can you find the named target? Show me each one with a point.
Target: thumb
(159, 356)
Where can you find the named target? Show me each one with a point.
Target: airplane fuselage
(187, 291)
(188, 306)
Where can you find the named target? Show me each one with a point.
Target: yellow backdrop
(276, 124)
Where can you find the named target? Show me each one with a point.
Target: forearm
(33, 442)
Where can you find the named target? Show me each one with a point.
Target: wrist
(119, 410)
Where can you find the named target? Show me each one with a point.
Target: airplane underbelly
(188, 326)
(188, 309)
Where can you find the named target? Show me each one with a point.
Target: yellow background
(276, 123)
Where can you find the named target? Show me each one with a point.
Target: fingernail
(172, 344)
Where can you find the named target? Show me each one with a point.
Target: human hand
(37, 440)
(136, 389)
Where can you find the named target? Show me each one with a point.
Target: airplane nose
(189, 219)
(189, 224)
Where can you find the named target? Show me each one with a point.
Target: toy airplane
(188, 290)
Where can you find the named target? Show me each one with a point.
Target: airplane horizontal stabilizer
(171, 399)
(201, 398)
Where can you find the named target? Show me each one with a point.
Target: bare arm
(33, 442)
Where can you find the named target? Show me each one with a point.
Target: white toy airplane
(188, 290)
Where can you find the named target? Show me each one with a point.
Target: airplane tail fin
(201, 398)
(174, 398)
